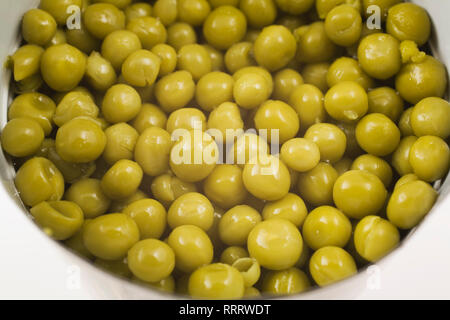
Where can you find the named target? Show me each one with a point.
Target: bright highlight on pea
(227, 149)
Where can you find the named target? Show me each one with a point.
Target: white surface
(34, 267)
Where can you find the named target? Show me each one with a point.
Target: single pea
(316, 185)
(420, 80)
(330, 139)
(149, 116)
(166, 11)
(326, 226)
(149, 30)
(26, 61)
(236, 224)
(194, 156)
(254, 69)
(285, 82)
(307, 100)
(151, 260)
(38, 180)
(408, 21)
(195, 59)
(110, 236)
(379, 55)
(150, 217)
(152, 151)
(59, 9)
(249, 269)
(75, 104)
(285, 282)
(409, 204)
(166, 188)
(275, 243)
(232, 254)
(375, 238)
(313, 43)
(224, 27)
(88, 194)
(225, 186)
(279, 119)
(259, 14)
(267, 178)
(191, 209)
(346, 101)
(291, 207)
(430, 117)
(63, 67)
(300, 154)
(186, 119)
(168, 57)
(175, 90)
(121, 103)
(80, 140)
(100, 73)
(331, 264)
(141, 68)
(216, 281)
(251, 293)
(22, 137)
(121, 140)
(251, 90)
(213, 89)
(181, 34)
(103, 18)
(192, 247)
(387, 101)
(359, 193)
(239, 55)
(193, 12)
(400, 157)
(118, 45)
(429, 157)
(343, 25)
(377, 134)
(225, 118)
(374, 165)
(348, 69)
(80, 38)
(122, 179)
(59, 219)
(275, 47)
(137, 10)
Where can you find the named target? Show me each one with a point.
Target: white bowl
(34, 266)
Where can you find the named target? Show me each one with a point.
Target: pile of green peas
(360, 114)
